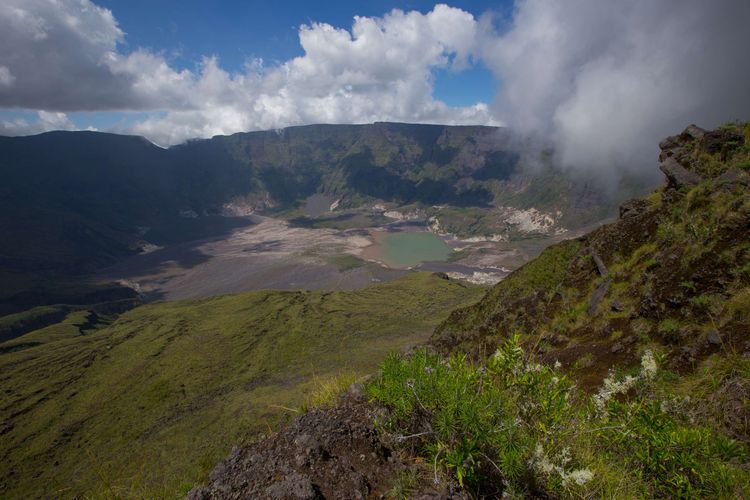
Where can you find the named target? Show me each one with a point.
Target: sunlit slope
(146, 405)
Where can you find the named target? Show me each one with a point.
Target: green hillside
(145, 406)
(672, 270)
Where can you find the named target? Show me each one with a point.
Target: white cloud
(381, 70)
(607, 79)
(64, 57)
(56, 52)
(46, 121)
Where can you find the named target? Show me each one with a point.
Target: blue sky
(236, 30)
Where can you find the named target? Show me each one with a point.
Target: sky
(603, 80)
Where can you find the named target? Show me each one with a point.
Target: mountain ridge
(73, 202)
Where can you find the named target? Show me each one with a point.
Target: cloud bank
(603, 80)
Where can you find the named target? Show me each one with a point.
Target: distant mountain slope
(87, 193)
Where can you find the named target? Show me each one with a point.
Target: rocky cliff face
(672, 274)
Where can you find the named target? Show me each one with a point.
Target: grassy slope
(146, 405)
(676, 272)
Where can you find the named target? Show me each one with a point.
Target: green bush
(467, 416)
(679, 461)
(516, 425)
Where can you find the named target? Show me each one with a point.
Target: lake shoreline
(404, 249)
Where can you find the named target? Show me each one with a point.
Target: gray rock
(716, 141)
(597, 296)
(308, 444)
(669, 143)
(677, 175)
(599, 264)
(198, 493)
(694, 131)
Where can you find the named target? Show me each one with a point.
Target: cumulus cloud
(64, 56)
(605, 80)
(54, 52)
(46, 121)
(380, 70)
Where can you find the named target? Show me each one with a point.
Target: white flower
(648, 365)
(611, 387)
(544, 465)
(565, 456)
(579, 477)
(540, 460)
(558, 365)
(532, 367)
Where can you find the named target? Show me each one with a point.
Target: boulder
(693, 132)
(597, 296)
(720, 140)
(671, 142)
(713, 338)
(677, 175)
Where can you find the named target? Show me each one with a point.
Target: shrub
(522, 427)
(678, 461)
(467, 416)
(668, 328)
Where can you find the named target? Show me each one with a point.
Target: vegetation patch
(144, 407)
(346, 262)
(514, 427)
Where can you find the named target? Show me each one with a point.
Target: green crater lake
(409, 249)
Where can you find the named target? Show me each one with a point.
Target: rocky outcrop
(677, 175)
(325, 453)
(721, 141)
(734, 176)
